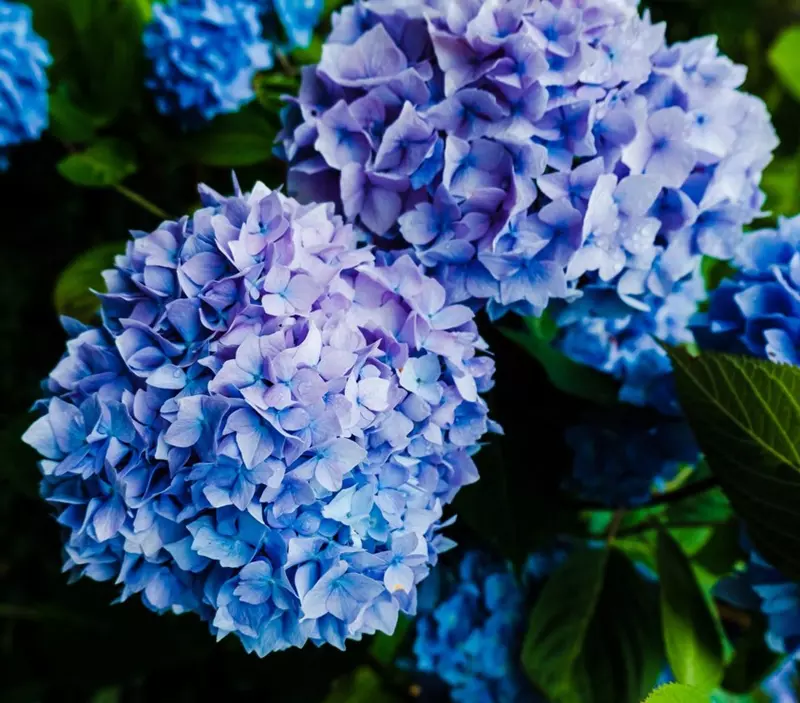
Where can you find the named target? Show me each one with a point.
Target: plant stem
(675, 496)
(613, 528)
(141, 202)
(656, 524)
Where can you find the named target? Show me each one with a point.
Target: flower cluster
(780, 603)
(471, 635)
(601, 331)
(520, 148)
(24, 59)
(297, 19)
(267, 425)
(620, 463)
(204, 54)
(757, 310)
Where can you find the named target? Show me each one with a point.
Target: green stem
(141, 202)
(688, 491)
(656, 525)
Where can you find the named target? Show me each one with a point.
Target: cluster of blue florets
(523, 150)
(470, 636)
(24, 59)
(266, 426)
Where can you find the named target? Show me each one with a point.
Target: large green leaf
(746, 415)
(105, 163)
(69, 122)
(677, 693)
(565, 374)
(784, 57)
(691, 635)
(239, 139)
(73, 292)
(593, 635)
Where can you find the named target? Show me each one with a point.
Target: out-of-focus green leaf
(677, 693)
(68, 122)
(781, 183)
(309, 54)
(565, 374)
(360, 686)
(73, 292)
(384, 647)
(105, 163)
(239, 139)
(715, 271)
(691, 634)
(709, 506)
(784, 57)
(746, 417)
(269, 88)
(593, 635)
(112, 694)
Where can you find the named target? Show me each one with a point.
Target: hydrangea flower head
(620, 464)
(266, 426)
(757, 311)
(518, 148)
(204, 54)
(470, 637)
(603, 332)
(24, 59)
(780, 603)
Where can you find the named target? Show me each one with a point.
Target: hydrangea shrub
(24, 59)
(203, 56)
(519, 149)
(266, 426)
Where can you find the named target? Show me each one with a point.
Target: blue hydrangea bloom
(24, 59)
(621, 464)
(602, 331)
(520, 149)
(757, 310)
(266, 426)
(470, 636)
(204, 54)
(780, 602)
(298, 19)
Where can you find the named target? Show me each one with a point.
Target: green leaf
(593, 635)
(384, 647)
(745, 414)
(784, 57)
(269, 87)
(105, 163)
(68, 122)
(714, 271)
(781, 183)
(360, 686)
(677, 693)
(709, 506)
(73, 292)
(565, 374)
(310, 54)
(693, 640)
(239, 139)
(112, 694)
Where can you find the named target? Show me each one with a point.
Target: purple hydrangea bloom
(24, 59)
(473, 620)
(204, 54)
(267, 425)
(621, 463)
(603, 332)
(757, 310)
(522, 149)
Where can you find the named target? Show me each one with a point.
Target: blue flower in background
(470, 631)
(757, 310)
(620, 463)
(24, 59)
(298, 19)
(521, 150)
(266, 427)
(204, 54)
(601, 331)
